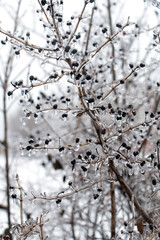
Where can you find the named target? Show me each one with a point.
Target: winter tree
(80, 149)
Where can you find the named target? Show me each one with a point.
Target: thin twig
(65, 147)
(41, 227)
(23, 42)
(57, 109)
(89, 30)
(153, 235)
(131, 128)
(21, 199)
(7, 74)
(117, 85)
(44, 12)
(112, 45)
(60, 196)
(77, 25)
(96, 142)
(157, 101)
(54, 22)
(113, 209)
(111, 38)
(124, 185)
(95, 122)
(133, 212)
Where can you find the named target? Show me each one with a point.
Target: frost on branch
(30, 228)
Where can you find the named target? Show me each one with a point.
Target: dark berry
(118, 25)
(77, 140)
(58, 201)
(9, 93)
(46, 142)
(88, 153)
(104, 30)
(122, 81)
(84, 168)
(142, 163)
(90, 100)
(78, 76)
(55, 106)
(17, 52)
(73, 162)
(142, 65)
(74, 51)
(64, 115)
(131, 65)
(14, 196)
(124, 145)
(129, 165)
(67, 48)
(95, 196)
(154, 181)
(61, 149)
(31, 77)
(88, 77)
(28, 148)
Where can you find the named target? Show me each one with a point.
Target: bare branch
(103, 45)
(79, 20)
(130, 193)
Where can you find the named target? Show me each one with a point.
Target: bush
(90, 126)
